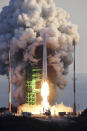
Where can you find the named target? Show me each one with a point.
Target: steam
(23, 23)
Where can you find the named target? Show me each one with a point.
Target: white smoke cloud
(23, 22)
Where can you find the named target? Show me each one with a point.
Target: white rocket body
(44, 58)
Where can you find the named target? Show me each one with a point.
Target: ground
(21, 123)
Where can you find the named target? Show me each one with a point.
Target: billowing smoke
(23, 23)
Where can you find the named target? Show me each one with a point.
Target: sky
(77, 10)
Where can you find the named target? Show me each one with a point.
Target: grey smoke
(23, 23)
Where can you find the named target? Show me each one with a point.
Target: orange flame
(45, 94)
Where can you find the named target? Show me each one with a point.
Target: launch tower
(33, 80)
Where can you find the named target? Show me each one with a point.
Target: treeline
(4, 109)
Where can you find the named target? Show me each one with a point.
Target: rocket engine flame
(45, 94)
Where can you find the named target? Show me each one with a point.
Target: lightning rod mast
(74, 82)
(9, 61)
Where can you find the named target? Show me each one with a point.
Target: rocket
(44, 57)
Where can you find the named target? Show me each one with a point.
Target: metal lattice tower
(33, 76)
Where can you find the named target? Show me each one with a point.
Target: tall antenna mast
(74, 82)
(9, 61)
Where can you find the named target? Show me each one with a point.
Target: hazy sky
(77, 10)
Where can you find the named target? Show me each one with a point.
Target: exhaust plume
(23, 23)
